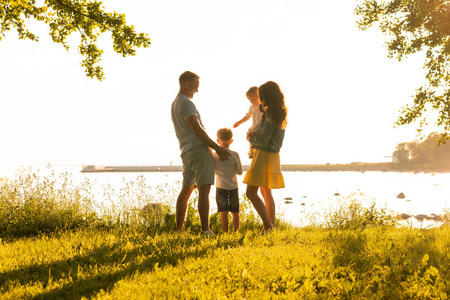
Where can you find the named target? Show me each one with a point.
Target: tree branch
(77, 11)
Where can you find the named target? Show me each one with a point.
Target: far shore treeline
(423, 154)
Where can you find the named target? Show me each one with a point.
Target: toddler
(254, 112)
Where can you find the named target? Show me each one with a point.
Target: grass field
(381, 262)
(62, 249)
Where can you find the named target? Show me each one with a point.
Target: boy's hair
(188, 76)
(252, 90)
(225, 134)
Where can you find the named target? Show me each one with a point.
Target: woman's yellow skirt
(265, 170)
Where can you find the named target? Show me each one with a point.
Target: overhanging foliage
(417, 26)
(65, 17)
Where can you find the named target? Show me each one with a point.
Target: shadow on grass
(107, 257)
(351, 249)
(365, 250)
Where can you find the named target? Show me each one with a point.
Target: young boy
(227, 196)
(254, 112)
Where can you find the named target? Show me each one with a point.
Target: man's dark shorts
(198, 167)
(227, 200)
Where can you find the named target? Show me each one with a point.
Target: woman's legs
(252, 194)
(270, 203)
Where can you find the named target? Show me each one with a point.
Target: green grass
(114, 253)
(376, 262)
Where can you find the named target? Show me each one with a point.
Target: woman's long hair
(272, 102)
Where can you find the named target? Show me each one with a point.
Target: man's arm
(203, 136)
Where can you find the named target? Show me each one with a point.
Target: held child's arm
(244, 119)
(203, 136)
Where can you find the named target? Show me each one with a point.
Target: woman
(264, 172)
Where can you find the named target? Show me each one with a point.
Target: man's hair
(188, 76)
(225, 134)
(252, 90)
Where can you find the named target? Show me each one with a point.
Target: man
(198, 165)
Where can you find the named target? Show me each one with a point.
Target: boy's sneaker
(208, 233)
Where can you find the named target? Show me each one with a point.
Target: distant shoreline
(352, 167)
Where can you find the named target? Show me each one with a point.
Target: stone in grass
(153, 209)
(157, 212)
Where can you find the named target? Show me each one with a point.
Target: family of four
(201, 167)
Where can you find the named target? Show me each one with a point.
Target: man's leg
(203, 205)
(182, 203)
(270, 203)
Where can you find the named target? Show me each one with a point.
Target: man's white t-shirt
(182, 108)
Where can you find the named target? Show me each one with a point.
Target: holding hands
(223, 154)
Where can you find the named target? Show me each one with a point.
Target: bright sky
(342, 92)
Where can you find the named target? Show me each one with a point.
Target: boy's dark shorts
(227, 200)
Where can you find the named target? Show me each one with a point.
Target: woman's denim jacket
(268, 138)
